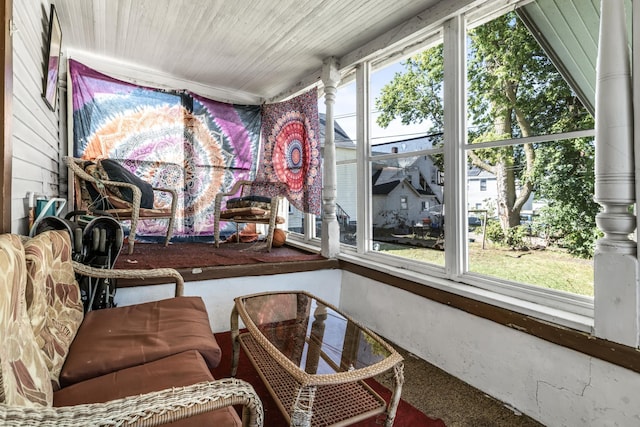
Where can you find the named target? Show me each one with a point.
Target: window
(516, 151)
(528, 99)
(404, 204)
(309, 227)
(406, 146)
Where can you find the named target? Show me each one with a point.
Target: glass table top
(312, 334)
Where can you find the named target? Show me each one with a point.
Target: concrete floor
(440, 395)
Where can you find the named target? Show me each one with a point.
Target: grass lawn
(548, 268)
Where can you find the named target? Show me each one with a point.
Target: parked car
(474, 221)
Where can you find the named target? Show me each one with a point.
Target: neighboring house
(482, 189)
(406, 189)
(397, 202)
(482, 193)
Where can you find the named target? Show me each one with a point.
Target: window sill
(543, 313)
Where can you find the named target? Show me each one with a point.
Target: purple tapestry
(290, 163)
(171, 139)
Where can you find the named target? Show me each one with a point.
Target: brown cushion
(116, 338)
(179, 370)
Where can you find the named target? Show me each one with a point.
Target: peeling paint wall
(552, 384)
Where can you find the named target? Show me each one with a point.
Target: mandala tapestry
(290, 164)
(171, 139)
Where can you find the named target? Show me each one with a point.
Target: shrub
(513, 237)
(494, 232)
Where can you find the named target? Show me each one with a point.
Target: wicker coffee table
(313, 359)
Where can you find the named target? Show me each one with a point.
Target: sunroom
(474, 190)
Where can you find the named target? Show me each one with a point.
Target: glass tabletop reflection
(312, 334)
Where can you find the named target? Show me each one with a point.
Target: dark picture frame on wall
(52, 60)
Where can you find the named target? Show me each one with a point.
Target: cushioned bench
(147, 364)
(141, 333)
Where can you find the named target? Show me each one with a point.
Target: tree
(513, 91)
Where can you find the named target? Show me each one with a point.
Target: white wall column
(330, 227)
(363, 150)
(455, 158)
(615, 261)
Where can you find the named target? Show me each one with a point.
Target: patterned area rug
(406, 416)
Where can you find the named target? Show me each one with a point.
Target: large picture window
(473, 161)
(540, 228)
(406, 156)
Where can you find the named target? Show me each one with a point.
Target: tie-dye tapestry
(291, 153)
(170, 139)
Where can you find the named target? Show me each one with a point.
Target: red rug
(188, 255)
(406, 415)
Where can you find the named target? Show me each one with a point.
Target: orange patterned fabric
(24, 378)
(55, 307)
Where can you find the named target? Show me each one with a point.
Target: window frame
(558, 307)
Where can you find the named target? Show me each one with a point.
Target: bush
(513, 238)
(494, 232)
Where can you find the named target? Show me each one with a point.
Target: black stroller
(95, 241)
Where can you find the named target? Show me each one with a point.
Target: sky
(345, 110)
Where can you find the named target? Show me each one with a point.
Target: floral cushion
(24, 378)
(53, 297)
(259, 202)
(238, 212)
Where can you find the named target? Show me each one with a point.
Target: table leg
(235, 333)
(302, 412)
(398, 375)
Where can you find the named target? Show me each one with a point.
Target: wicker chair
(267, 213)
(35, 339)
(149, 409)
(133, 212)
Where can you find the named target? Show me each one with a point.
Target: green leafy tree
(513, 91)
(566, 180)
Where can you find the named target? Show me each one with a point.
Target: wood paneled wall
(35, 136)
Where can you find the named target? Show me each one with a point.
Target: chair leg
(272, 222)
(169, 231)
(131, 243)
(216, 231)
(132, 235)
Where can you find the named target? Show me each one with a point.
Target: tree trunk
(510, 199)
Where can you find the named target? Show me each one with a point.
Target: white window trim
(545, 312)
(557, 307)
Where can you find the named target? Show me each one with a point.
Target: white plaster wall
(218, 294)
(554, 385)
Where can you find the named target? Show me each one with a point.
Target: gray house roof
(386, 188)
(477, 173)
(341, 136)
